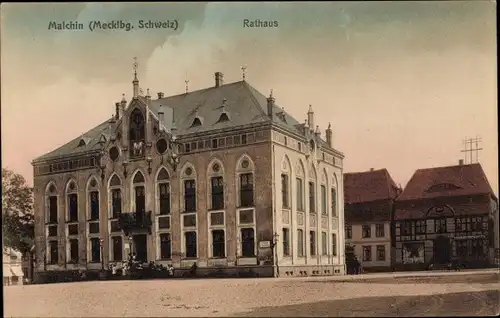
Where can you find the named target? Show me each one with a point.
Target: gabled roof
(75, 147)
(369, 186)
(447, 182)
(243, 104)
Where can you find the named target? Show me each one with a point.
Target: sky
(402, 83)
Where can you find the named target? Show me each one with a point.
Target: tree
(18, 222)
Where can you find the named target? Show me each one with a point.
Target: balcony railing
(135, 220)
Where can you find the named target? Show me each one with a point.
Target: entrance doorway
(141, 247)
(442, 250)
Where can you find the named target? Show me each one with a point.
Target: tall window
(165, 246)
(300, 194)
(367, 231)
(94, 205)
(367, 253)
(117, 248)
(218, 244)
(116, 195)
(73, 251)
(95, 250)
(334, 244)
(334, 201)
(189, 196)
(286, 242)
(247, 242)
(217, 193)
(312, 243)
(379, 230)
(140, 199)
(300, 243)
(440, 225)
(324, 243)
(137, 133)
(312, 198)
(348, 231)
(420, 227)
(53, 252)
(380, 253)
(73, 207)
(323, 200)
(164, 189)
(53, 209)
(190, 241)
(284, 191)
(246, 189)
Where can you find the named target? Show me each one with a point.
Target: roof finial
(187, 85)
(271, 94)
(135, 65)
(243, 68)
(329, 125)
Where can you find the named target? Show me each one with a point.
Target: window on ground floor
(53, 252)
(73, 251)
(300, 243)
(286, 242)
(190, 244)
(312, 243)
(367, 253)
(165, 246)
(380, 252)
(95, 250)
(218, 244)
(117, 248)
(247, 242)
(324, 243)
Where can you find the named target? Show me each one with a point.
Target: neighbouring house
(12, 267)
(446, 215)
(369, 205)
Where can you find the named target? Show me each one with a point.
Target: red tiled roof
(369, 186)
(446, 182)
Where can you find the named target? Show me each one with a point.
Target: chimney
(270, 105)
(161, 117)
(219, 79)
(117, 110)
(371, 169)
(317, 132)
(160, 95)
(329, 134)
(310, 117)
(461, 162)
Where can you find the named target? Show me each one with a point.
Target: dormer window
(223, 117)
(442, 187)
(84, 141)
(281, 115)
(196, 122)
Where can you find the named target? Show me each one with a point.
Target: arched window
(189, 188)
(137, 133)
(163, 186)
(216, 189)
(285, 183)
(51, 208)
(139, 192)
(324, 204)
(72, 201)
(245, 175)
(333, 196)
(299, 188)
(312, 189)
(115, 193)
(93, 199)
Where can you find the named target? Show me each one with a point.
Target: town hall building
(220, 176)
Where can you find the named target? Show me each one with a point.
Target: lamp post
(274, 246)
(101, 241)
(130, 241)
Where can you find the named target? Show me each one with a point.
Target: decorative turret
(270, 105)
(329, 134)
(317, 133)
(135, 82)
(310, 117)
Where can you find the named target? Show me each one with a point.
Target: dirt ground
(465, 294)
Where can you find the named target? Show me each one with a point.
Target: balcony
(131, 221)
